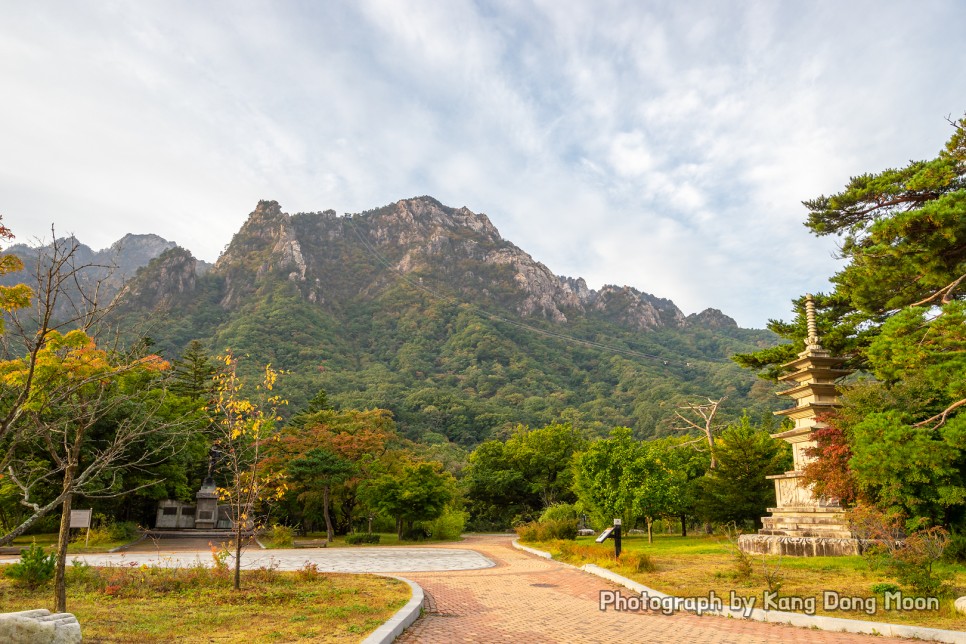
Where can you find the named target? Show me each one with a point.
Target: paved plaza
(171, 553)
(524, 598)
(487, 591)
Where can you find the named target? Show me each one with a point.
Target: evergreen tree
(193, 373)
(737, 489)
(898, 309)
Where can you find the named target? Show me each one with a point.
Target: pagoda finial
(812, 340)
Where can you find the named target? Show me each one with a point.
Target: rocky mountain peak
(711, 319)
(131, 252)
(170, 274)
(334, 260)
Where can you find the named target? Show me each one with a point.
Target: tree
(17, 296)
(319, 470)
(417, 492)
(360, 438)
(655, 489)
(543, 457)
(898, 310)
(76, 415)
(531, 471)
(703, 423)
(690, 464)
(600, 471)
(193, 373)
(829, 474)
(242, 428)
(738, 490)
(634, 480)
(496, 489)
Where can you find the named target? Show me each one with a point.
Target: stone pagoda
(803, 525)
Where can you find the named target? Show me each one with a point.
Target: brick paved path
(529, 599)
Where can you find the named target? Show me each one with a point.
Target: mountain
(427, 311)
(110, 267)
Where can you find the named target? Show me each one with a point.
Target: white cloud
(663, 146)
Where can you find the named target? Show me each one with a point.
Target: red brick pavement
(530, 599)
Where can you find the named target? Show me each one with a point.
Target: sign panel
(604, 535)
(80, 518)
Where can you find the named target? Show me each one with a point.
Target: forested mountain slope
(427, 311)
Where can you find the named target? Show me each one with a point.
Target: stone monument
(206, 512)
(803, 524)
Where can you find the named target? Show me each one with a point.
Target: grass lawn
(695, 565)
(197, 604)
(49, 542)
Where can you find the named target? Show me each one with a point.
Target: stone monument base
(775, 544)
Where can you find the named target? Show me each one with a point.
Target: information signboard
(604, 535)
(80, 518)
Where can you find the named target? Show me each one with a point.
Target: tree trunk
(329, 532)
(399, 528)
(238, 549)
(684, 525)
(63, 537)
(650, 535)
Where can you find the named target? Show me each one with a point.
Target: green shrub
(108, 533)
(559, 512)
(124, 531)
(280, 536)
(34, 568)
(361, 537)
(547, 530)
(884, 587)
(447, 527)
(415, 533)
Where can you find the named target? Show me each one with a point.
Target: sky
(665, 146)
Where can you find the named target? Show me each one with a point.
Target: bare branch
(706, 413)
(940, 418)
(946, 292)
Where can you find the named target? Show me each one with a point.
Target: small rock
(39, 627)
(961, 605)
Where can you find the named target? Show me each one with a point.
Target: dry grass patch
(198, 604)
(695, 566)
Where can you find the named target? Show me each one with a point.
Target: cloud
(662, 146)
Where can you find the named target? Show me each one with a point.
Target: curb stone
(780, 617)
(403, 618)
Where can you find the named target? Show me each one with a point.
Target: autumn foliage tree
(242, 428)
(322, 455)
(829, 475)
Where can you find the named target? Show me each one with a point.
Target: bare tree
(701, 419)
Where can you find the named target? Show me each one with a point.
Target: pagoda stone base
(773, 544)
(806, 521)
(803, 531)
